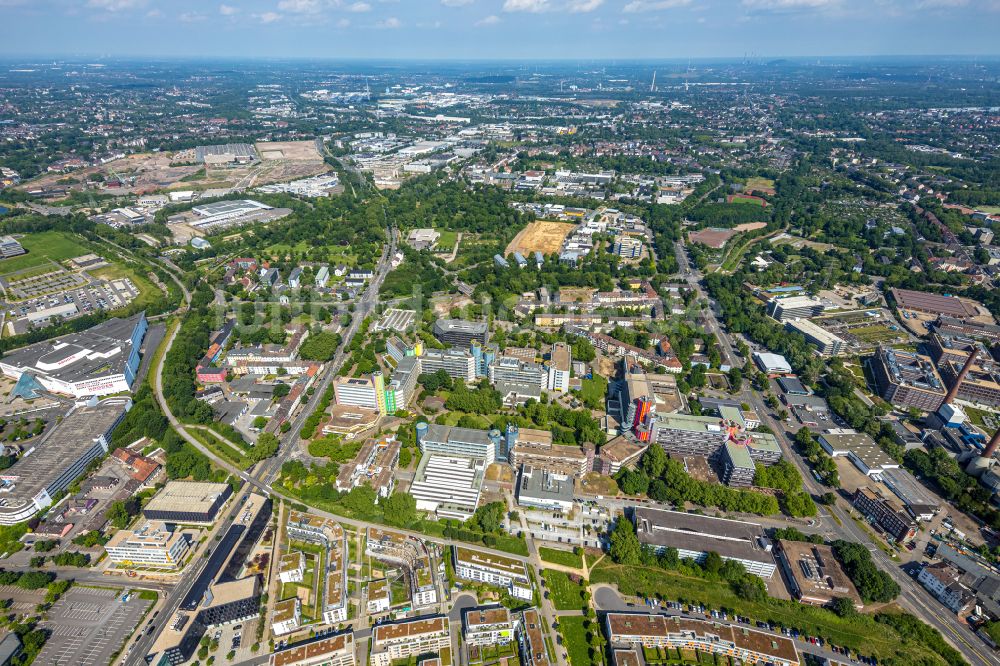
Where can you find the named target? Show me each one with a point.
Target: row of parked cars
(790, 632)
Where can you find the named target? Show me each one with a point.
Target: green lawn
(447, 241)
(594, 391)
(42, 247)
(564, 593)
(575, 640)
(566, 558)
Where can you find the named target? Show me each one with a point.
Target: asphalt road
(913, 597)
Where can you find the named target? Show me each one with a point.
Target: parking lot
(88, 625)
(79, 296)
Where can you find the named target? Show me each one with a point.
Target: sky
(498, 29)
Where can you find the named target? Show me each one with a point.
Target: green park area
(42, 248)
(563, 592)
(567, 558)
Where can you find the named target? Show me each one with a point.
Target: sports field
(540, 236)
(43, 247)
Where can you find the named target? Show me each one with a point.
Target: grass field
(565, 594)
(594, 391)
(567, 558)
(575, 640)
(873, 334)
(148, 292)
(758, 183)
(992, 210)
(540, 236)
(447, 241)
(43, 247)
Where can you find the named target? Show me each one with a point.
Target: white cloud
(344, 23)
(492, 19)
(787, 5)
(268, 17)
(228, 10)
(390, 23)
(637, 6)
(941, 4)
(154, 14)
(298, 6)
(359, 7)
(115, 5)
(191, 17)
(584, 6)
(532, 6)
(456, 3)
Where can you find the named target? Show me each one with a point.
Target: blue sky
(498, 29)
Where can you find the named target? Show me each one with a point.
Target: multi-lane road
(913, 597)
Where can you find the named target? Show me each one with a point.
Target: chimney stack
(992, 447)
(961, 376)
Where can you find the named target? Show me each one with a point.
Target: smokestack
(992, 447)
(961, 376)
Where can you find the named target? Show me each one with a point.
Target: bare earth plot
(540, 236)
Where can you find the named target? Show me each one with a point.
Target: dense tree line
(874, 585)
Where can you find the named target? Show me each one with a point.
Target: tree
(265, 447)
(712, 563)
(625, 546)
(399, 509)
(654, 461)
(259, 423)
(632, 481)
(281, 390)
(843, 607)
(320, 347)
(489, 517)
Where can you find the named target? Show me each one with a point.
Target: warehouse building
(906, 379)
(860, 449)
(225, 154)
(102, 360)
(9, 247)
(814, 574)
(772, 363)
(826, 342)
(933, 304)
(188, 502)
(61, 456)
(695, 536)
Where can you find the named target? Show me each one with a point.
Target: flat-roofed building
(532, 639)
(496, 570)
(541, 489)
(149, 545)
(772, 363)
(560, 362)
(350, 421)
(188, 502)
(457, 363)
(981, 384)
(329, 534)
(365, 392)
(826, 342)
(511, 370)
(620, 452)
(292, 567)
(661, 631)
(377, 595)
(449, 486)
(60, 456)
(886, 513)
(423, 239)
(794, 307)
(374, 465)
(101, 360)
(536, 449)
(460, 332)
(417, 636)
(9, 247)
(906, 379)
(455, 441)
(286, 616)
(488, 625)
(814, 574)
(860, 449)
(933, 304)
(695, 536)
(327, 651)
